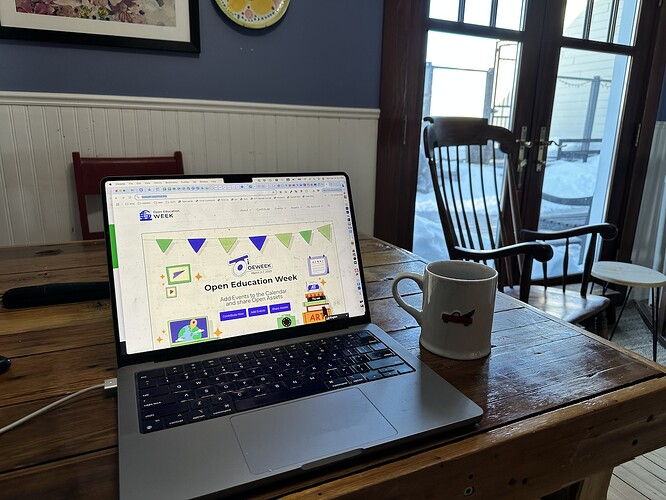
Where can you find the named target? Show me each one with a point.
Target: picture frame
(144, 24)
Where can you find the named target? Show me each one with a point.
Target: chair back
(89, 172)
(474, 189)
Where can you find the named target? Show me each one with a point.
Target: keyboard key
(165, 399)
(191, 367)
(159, 372)
(205, 392)
(199, 414)
(144, 384)
(179, 387)
(222, 409)
(337, 383)
(199, 403)
(152, 425)
(153, 391)
(163, 411)
(176, 420)
(356, 378)
(385, 362)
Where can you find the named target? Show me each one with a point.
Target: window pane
(446, 10)
(589, 97)
(471, 76)
(604, 21)
(477, 12)
(465, 76)
(625, 28)
(510, 14)
(574, 18)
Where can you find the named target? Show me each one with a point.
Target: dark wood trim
(602, 47)
(475, 30)
(401, 101)
(534, 103)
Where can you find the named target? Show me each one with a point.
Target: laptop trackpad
(308, 430)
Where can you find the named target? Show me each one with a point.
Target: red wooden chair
(89, 172)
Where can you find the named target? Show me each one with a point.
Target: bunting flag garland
(285, 238)
(259, 242)
(227, 243)
(164, 245)
(307, 236)
(325, 231)
(196, 243)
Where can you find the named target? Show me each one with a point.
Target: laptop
(245, 348)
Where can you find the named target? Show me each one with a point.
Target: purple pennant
(258, 241)
(196, 243)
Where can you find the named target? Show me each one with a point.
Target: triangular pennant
(285, 238)
(307, 236)
(227, 243)
(258, 241)
(325, 231)
(164, 244)
(196, 243)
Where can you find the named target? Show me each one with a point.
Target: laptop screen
(199, 259)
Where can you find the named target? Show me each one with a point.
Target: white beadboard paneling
(39, 132)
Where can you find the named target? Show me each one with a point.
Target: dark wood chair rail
(562, 406)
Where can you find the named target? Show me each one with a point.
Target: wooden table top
(560, 404)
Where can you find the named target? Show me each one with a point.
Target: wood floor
(643, 477)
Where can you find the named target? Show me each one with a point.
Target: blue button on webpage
(278, 308)
(257, 311)
(237, 314)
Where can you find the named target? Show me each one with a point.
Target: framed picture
(145, 24)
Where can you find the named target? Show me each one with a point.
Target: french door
(568, 78)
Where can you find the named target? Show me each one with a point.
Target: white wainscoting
(39, 132)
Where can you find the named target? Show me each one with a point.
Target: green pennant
(325, 231)
(307, 235)
(227, 243)
(285, 238)
(164, 244)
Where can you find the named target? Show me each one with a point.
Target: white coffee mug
(456, 318)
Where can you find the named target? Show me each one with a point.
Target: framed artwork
(145, 24)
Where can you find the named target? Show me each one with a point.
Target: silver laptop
(245, 348)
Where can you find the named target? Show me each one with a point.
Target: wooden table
(561, 406)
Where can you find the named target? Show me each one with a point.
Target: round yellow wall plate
(254, 13)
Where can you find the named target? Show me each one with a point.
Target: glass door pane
(465, 76)
(588, 104)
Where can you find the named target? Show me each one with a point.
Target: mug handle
(398, 298)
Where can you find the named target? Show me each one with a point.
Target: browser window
(201, 259)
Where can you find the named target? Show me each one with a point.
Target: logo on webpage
(145, 215)
(239, 265)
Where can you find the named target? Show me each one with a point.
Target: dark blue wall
(322, 52)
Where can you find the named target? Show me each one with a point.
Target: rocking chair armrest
(606, 230)
(538, 251)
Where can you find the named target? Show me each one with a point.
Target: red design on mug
(455, 317)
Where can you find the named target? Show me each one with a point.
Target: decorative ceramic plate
(254, 13)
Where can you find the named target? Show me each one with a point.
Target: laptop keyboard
(183, 394)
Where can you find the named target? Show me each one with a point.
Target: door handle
(543, 149)
(522, 161)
